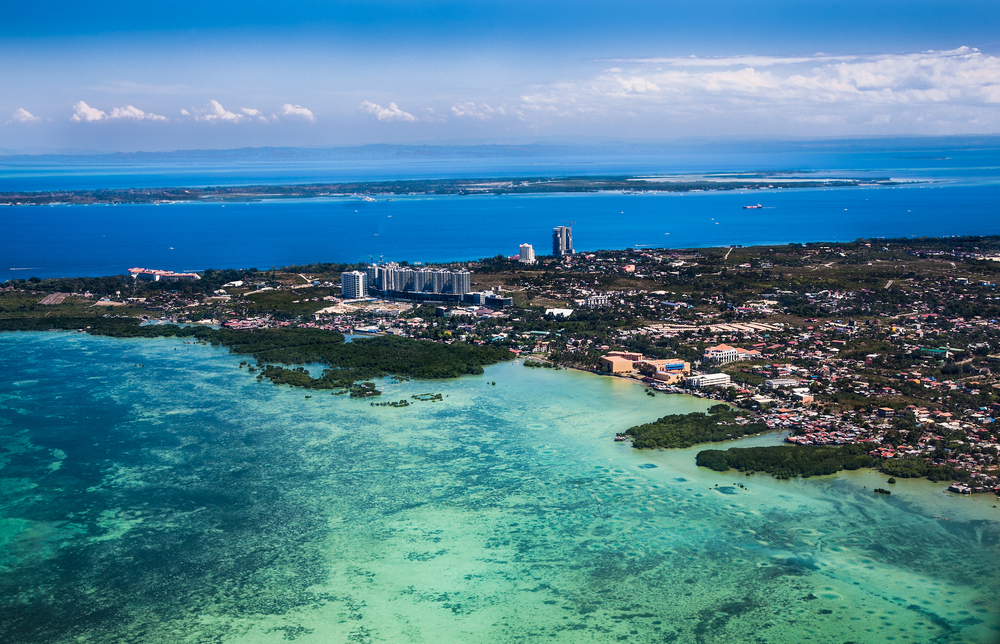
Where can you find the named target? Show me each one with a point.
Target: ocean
(151, 491)
(959, 194)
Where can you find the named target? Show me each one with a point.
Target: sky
(125, 76)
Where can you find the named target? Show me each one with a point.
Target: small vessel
(752, 207)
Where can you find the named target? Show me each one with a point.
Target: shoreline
(369, 191)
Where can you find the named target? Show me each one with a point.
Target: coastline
(464, 499)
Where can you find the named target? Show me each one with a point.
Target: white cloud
(386, 114)
(482, 112)
(86, 113)
(636, 84)
(728, 61)
(930, 92)
(215, 112)
(131, 113)
(297, 111)
(185, 112)
(959, 75)
(22, 115)
(256, 115)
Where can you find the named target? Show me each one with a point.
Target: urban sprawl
(891, 344)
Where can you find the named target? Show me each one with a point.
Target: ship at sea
(752, 207)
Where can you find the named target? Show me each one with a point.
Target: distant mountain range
(487, 151)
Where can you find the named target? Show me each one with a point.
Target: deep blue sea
(959, 194)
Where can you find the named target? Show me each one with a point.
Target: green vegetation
(500, 185)
(913, 467)
(787, 461)
(348, 363)
(685, 430)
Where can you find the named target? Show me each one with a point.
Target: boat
(752, 207)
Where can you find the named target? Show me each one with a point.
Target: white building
(724, 354)
(461, 282)
(527, 255)
(721, 354)
(354, 285)
(709, 380)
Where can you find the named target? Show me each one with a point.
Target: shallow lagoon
(182, 501)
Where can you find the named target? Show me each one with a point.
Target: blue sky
(153, 76)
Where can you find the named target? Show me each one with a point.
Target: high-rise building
(527, 255)
(394, 280)
(461, 282)
(353, 285)
(562, 241)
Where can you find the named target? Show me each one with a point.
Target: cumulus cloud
(297, 111)
(84, 113)
(255, 114)
(481, 112)
(214, 112)
(386, 114)
(908, 92)
(22, 115)
(131, 113)
(959, 75)
(636, 84)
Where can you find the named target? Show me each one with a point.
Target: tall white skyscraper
(353, 285)
(562, 241)
(527, 255)
(461, 282)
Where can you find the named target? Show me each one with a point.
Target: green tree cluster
(788, 461)
(685, 430)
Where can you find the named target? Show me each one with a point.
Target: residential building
(353, 285)
(527, 254)
(461, 282)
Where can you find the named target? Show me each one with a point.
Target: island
(374, 190)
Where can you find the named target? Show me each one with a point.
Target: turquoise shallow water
(182, 501)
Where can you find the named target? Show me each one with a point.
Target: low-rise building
(616, 364)
(709, 380)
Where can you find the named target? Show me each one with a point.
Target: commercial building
(527, 254)
(709, 380)
(616, 364)
(156, 276)
(488, 298)
(778, 383)
(724, 354)
(354, 285)
(562, 241)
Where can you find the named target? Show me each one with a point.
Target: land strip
(372, 191)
